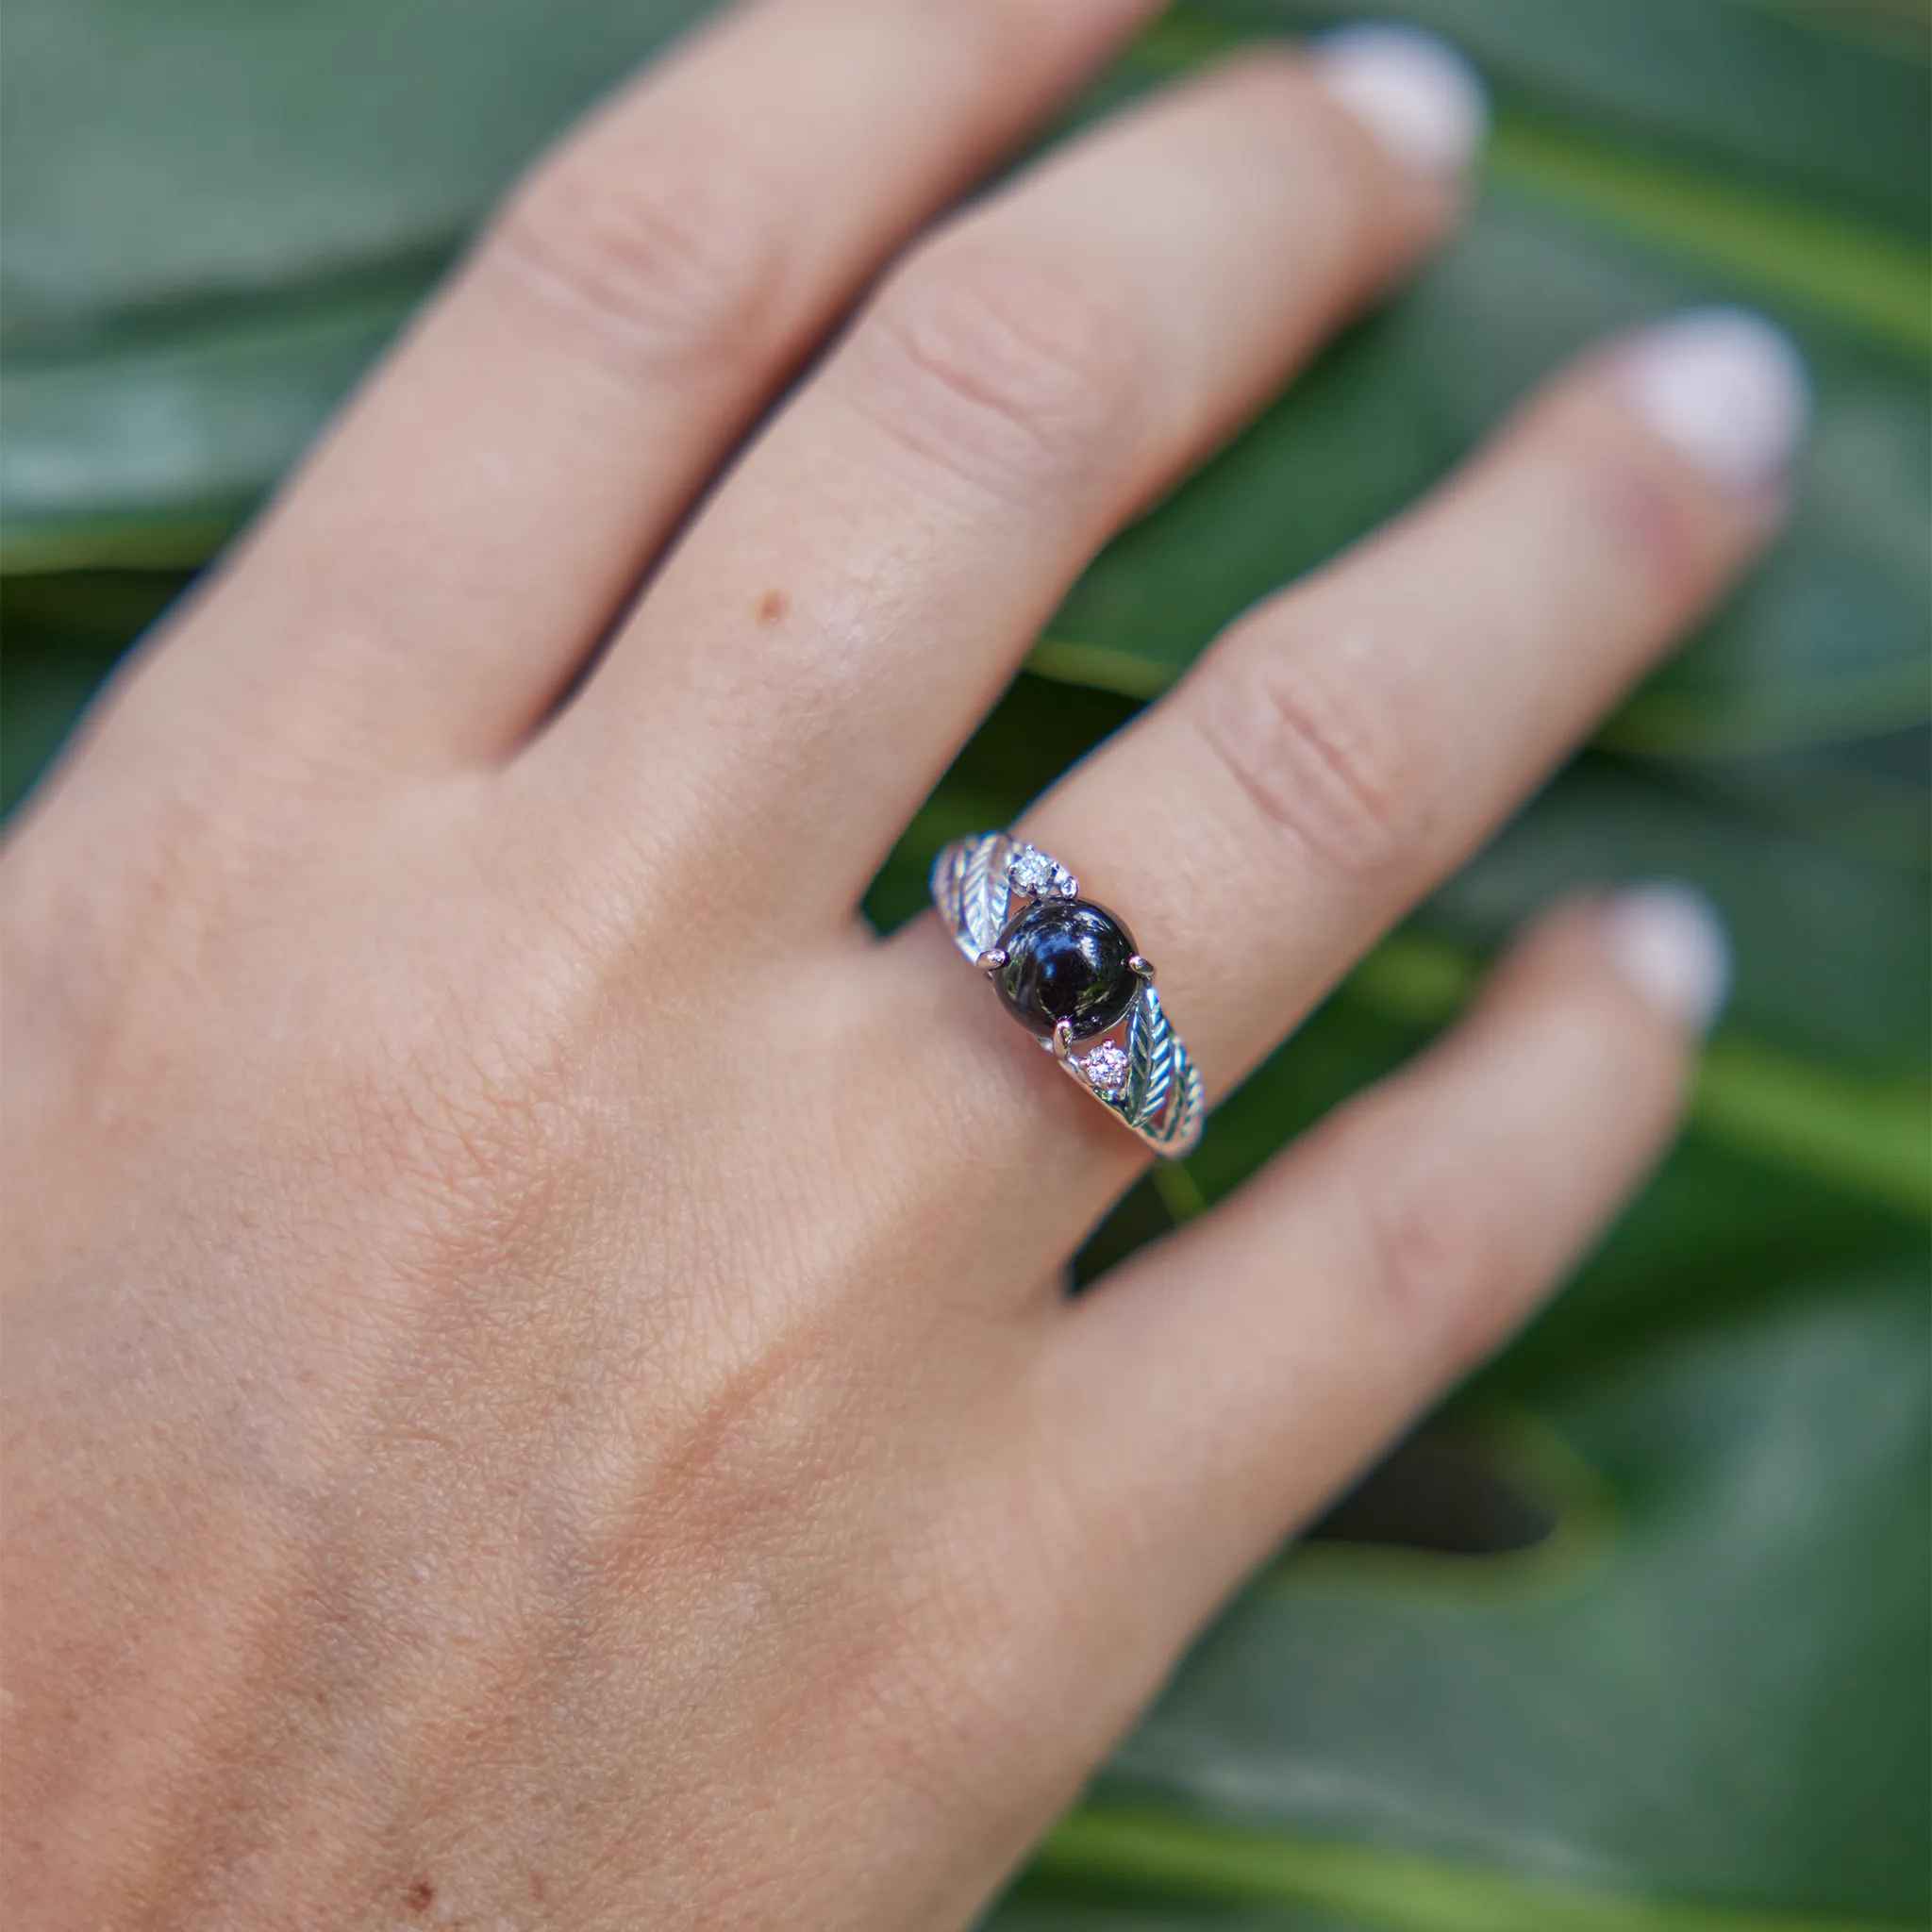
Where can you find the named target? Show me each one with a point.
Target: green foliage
(1698, 1698)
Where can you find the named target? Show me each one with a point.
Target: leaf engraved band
(1066, 969)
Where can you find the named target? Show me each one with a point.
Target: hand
(538, 1385)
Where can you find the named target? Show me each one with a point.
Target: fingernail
(1669, 944)
(1727, 388)
(1417, 96)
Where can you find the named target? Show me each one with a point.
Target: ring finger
(1348, 741)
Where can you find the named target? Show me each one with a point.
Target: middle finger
(863, 585)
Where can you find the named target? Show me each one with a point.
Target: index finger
(441, 567)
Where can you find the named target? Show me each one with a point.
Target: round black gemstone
(1067, 959)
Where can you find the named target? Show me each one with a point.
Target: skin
(538, 1390)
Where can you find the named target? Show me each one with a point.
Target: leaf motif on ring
(1150, 1059)
(986, 892)
(1183, 1117)
(947, 884)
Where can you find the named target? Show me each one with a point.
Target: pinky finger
(1218, 1387)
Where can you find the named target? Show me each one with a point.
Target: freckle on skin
(773, 606)
(420, 1897)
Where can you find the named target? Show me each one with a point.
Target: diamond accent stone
(1030, 871)
(1105, 1070)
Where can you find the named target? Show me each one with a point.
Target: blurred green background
(1635, 1633)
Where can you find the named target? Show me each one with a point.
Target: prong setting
(1068, 971)
(1029, 871)
(1107, 1070)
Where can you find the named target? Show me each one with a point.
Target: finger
(1350, 741)
(860, 590)
(1207, 1397)
(473, 522)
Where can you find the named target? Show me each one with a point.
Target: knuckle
(1016, 375)
(1322, 758)
(668, 255)
(1439, 1245)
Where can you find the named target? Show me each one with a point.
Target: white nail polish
(1727, 388)
(1669, 942)
(1414, 92)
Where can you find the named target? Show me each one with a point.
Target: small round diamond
(1031, 871)
(1105, 1070)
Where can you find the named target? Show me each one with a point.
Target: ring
(1067, 969)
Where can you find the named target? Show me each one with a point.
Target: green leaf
(168, 160)
(1794, 104)
(1714, 1707)
(161, 373)
(147, 452)
(1873, 1137)
(1834, 948)
(215, 216)
(1866, 796)
(1878, 281)
(1827, 641)
(63, 636)
(1122, 1847)
(1586, 233)
(1700, 1703)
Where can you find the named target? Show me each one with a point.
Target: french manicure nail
(1669, 944)
(1414, 92)
(1727, 388)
